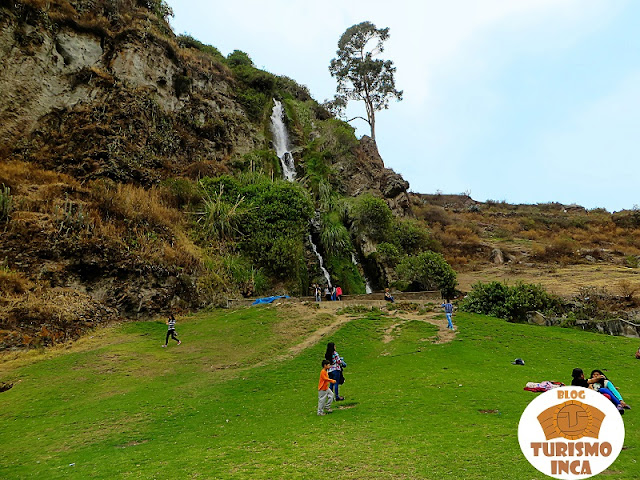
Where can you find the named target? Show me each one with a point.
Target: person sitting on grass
(607, 388)
(325, 395)
(387, 295)
(580, 381)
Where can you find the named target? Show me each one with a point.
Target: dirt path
(319, 334)
(444, 335)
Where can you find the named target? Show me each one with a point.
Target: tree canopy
(361, 76)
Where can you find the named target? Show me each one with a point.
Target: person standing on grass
(338, 293)
(335, 369)
(448, 310)
(171, 332)
(325, 394)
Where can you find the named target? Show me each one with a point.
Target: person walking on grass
(171, 332)
(325, 395)
(448, 310)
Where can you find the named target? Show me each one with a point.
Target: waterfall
(324, 270)
(367, 285)
(281, 141)
(281, 144)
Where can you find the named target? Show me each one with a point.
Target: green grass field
(233, 402)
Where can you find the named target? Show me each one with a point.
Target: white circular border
(611, 430)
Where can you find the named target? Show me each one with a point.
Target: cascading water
(367, 285)
(281, 141)
(281, 144)
(324, 270)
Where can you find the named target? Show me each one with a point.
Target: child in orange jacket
(325, 395)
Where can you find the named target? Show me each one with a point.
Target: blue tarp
(269, 299)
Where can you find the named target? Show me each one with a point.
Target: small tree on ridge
(360, 76)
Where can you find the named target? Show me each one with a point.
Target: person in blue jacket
(448, 310)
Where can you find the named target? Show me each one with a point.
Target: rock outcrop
(368, 174)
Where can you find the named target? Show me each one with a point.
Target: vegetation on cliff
(140, 167)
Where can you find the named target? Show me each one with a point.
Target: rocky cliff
(104, 111)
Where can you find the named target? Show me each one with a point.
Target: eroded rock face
(368, 174)
(38, 75)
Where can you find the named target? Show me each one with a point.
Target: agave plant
(219, 217)
(334, 236)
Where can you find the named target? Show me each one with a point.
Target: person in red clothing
(325, 395)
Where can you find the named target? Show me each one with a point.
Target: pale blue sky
(527, 101)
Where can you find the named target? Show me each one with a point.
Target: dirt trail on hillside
(444, 335)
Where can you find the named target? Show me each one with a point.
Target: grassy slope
(222, 406)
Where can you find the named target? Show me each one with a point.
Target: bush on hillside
(372, 217)
(238, 57)
(273, 222)
(561, 247)
(427, 271)
(387, 253)
(334, 236)
(187, 41)
(412, 236)
(345, 274)
(511, 303)
(248, 279)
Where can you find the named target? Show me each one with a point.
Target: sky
(523, 101)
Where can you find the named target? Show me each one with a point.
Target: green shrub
(275, 224)
(338, 139)
(187, 41)
(264, 161)
(511, 303)
(290, 88)
(388, 253)
(221, 218)
(271, 226)
(248, 279)
(372, 216)
(345, 274)
(412, 236)
(239, 58)
(181, 192)
(428, 271)
(255, 103)
(632, 261)
(301, 115)
(334, 236)
(229, 186)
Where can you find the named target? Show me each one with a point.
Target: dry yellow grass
(562, 280)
